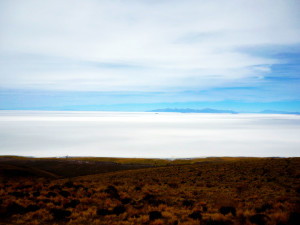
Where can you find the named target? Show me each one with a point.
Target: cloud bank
(148, 134)
(149, 46)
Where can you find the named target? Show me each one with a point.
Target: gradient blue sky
(141, 55)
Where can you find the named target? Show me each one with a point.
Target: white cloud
(169, 44)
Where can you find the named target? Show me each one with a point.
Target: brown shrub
(153, 215)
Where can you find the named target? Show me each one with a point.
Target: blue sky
(141, 55)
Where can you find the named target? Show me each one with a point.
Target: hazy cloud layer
(148, 134)
(142, 45)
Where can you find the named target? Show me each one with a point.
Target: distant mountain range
(208, 110)
(188, 110)
(278, 112)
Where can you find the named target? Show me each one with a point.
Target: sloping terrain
(13, 172)
(59, 168)
(14, 166)
(253, 191)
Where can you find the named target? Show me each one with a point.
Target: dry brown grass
(247, 191)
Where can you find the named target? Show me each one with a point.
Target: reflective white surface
(131, 134)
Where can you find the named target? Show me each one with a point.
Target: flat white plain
(145, 134)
